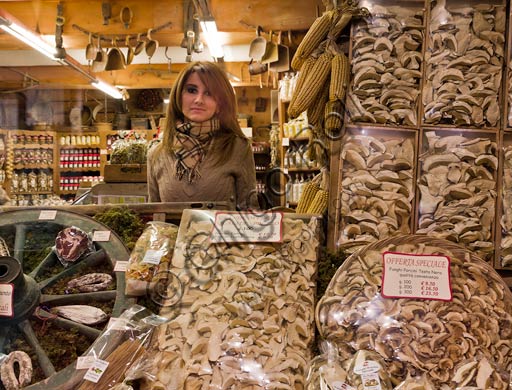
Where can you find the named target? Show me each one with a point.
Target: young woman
(204, 155)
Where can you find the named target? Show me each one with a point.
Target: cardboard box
(125, 173)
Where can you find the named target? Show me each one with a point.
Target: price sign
(121, 266)
(47, 215)
(416, 276)
(101, 235)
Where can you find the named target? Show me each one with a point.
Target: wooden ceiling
(236, 20)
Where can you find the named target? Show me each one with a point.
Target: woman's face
(197, 104)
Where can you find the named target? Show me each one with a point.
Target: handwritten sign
(416, 276)
(47, 215)
(247, 227)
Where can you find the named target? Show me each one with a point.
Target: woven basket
(354, 314)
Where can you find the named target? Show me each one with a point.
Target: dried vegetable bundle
(461, 343)
(323, 70)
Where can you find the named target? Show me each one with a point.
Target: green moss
(328, 264)
(125, 222)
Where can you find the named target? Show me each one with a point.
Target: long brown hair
(217, 82)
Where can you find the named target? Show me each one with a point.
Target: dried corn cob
(307, 197)
(315, 80)
(317, 109)
(316, 34)
(340, 76)
(303, 75)
(333, 119)
(320, 203)
(342, 22)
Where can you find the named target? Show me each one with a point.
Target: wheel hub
(26, 291)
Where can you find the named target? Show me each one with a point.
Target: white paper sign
(121, 266)
(95, 372)
(47, 215)
(6, 299)
(416, 276)
(286, 141)
(101, 235)
(153, 256)
(247, 227)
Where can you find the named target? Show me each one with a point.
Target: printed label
(247, 227)
(84, 362)
(101, 235)
(95, 372)
(153, 256)
(121, 266)
(6, 300)
(341, 386)
(47, 215)
(416, 276)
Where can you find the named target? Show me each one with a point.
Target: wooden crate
(125, 173)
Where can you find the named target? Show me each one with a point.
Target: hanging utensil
(115, 59)
(271, 52)
(130, 53)
(151, 45)
(126, 17)
(283, 61)
(100, 61)
(257, 46)
(169, 60)
(90, 49)
(139, 46)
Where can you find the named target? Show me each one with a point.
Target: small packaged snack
(150, 258)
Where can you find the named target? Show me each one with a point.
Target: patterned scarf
(191, 143)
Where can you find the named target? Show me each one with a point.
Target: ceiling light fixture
(108, 89)
(16, 29)
(211, 36)
(26, 36)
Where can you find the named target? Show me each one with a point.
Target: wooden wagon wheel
(36, 281)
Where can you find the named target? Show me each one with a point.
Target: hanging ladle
(151, 45)
(139, 46)
(130, 53)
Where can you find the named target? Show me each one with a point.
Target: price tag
(96, 370)
(121, 266)
(286, 141)
(285, 171)
(84, 362)
(153, 256)
(103, 152)
(416, 276)
(247, 227)
(6, 300)
(47, 215)
(101, 235)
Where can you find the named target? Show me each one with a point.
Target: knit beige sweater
(234, 181)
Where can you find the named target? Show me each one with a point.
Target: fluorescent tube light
(211, 36)
(28, 37)
(108, 89)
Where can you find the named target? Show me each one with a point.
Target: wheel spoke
(47, 262)
(94, 259)
(78, 299)
(19, 241)
(42, 357)
(87, 331)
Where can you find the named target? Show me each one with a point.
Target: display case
(457, 187)
(376, 193)
(386, 53)
(464, 61)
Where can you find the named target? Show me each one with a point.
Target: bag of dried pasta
(150, 258)
(120, 346)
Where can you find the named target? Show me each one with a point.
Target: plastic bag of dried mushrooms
(463, 342)
(241, 315)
